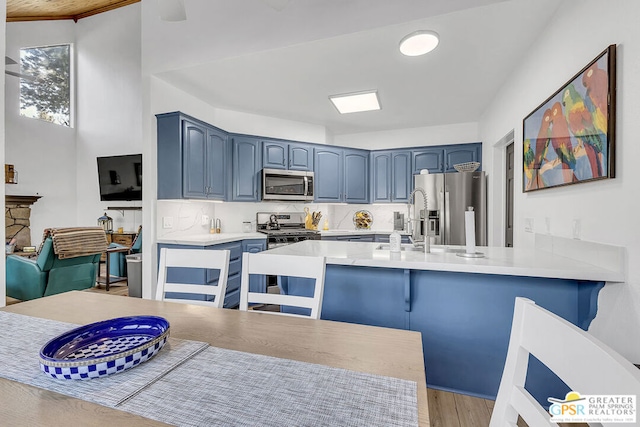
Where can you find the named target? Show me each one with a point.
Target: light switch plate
(528, 225)
(167, 222)
(205, 220)
(575, 228)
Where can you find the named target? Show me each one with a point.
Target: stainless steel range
(284, 228)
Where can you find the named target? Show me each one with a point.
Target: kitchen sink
(436, 249)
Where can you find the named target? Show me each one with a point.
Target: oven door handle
(306, 186)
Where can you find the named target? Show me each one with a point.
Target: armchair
(29, 279)
(118, 260)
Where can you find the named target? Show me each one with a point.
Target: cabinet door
(194, 169)
(170, 156)
(381, 177)
(216, 165)
(257, 283)
(328, 174)
(356, 176)
(275, 155)
(401, 176)
(461, 153)
(300, 157)
(246, 169)
(428, 158)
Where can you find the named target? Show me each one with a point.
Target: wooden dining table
(373, 350)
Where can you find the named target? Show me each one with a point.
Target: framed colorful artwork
(570, 137)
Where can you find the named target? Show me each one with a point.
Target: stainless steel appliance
(448, 196)
(278, 184)
(284, 228)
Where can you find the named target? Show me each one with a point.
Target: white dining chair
(193, 258)
(283, 265)
(585, 364)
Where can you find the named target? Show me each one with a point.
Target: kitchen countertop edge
(497, 260)
(211, 239)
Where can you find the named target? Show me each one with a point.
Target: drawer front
(123, 239)
(235, 249)
(232, 299)
(235, 266)
(233, 282)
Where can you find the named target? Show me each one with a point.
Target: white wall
(59, 163)
(606, 209)
(109, 121)
(44, 154)
(412, 137)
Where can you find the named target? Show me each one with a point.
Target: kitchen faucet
(427, 248)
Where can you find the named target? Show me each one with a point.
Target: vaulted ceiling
(284, 62)
(42, 10)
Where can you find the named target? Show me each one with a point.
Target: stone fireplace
(17, 219)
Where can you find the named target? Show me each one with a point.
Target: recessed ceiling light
(419, 43)
(356, 102)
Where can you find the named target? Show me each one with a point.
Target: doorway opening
(509, 179)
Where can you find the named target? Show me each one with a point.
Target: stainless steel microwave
(278, 184)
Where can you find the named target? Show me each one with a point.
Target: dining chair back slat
(283, 265)
(193, 258)
(584, 363)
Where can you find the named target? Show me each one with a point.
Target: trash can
(134, 275)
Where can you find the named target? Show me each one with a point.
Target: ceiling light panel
(419, 43)
(356, 102)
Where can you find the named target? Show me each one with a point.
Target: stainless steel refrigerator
(448, 197)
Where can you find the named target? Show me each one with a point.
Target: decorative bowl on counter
(467, 166)
(363, 220)
(104, 348)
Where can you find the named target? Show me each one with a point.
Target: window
(48, 95)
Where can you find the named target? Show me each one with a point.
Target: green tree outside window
(48, 95)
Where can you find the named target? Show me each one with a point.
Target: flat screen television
(120, 177)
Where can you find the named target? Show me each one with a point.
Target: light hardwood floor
(458, 410)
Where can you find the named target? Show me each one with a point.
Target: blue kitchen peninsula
(463, 307)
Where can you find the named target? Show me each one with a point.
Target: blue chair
(29, 279)
(118, 260)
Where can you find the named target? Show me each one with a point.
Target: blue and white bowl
(104, 348)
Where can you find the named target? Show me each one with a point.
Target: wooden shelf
(21, 199)
(124, 208)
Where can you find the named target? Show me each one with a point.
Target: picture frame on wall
(570, 137)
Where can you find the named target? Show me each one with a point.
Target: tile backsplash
(187, 215)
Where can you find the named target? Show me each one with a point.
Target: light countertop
(497, 260)
(353, 231)
(210, 239)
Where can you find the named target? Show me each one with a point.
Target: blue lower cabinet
(352, 238)
(209, 276)
(465, 319)
(384, 238)
(256, 283)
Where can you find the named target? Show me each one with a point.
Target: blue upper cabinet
(287, 155)
(300, 157)
(194, 162)
(328, 174)
(193, 159)
(461, 153)
(341, 175)
(400, 176)
(204, 162)
(247, 164)
(431, 158)
(356, 176)
(390, 176)
(275, 155)
(441, 158)
(380, 176)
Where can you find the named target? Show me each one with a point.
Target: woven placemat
(231, 388)
(21, 338)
